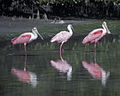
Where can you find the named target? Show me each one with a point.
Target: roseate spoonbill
(63, 36)
(96, 71)
(26, 38)
(63, 66)
(96, 34)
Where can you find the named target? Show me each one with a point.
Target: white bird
(63, 36)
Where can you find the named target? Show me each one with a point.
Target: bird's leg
(61, 49)
(25, 49)
(95, 46)
(95, 53)
(25, 63)
(61, 58)
(95, 56)
(25, 56)
(88, 47)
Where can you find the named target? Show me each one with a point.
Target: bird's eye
(34, 28)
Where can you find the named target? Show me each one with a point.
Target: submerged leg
(61, 49)
(95, 53)
(95, 46)
(88, 47)
(25, 49)
(61, 58)
(25, 63)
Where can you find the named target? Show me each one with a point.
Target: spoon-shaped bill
(40, 35)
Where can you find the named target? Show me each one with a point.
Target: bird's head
(70, 27)
(105, 26)
(36, 31)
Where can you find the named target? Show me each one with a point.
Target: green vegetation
(83, 29)
(79, 29)
(113, 26)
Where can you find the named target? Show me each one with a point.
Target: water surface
(44, 73)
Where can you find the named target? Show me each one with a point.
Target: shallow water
(44, 73)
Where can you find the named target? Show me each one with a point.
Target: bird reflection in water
(24, 75)
(96, 71)
(63, 67)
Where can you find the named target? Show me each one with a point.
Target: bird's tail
(85, 41)
(13, 40)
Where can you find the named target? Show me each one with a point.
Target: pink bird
(63, 36)
(96, 34)
(96, 71)
(26, 38)
(25, 76)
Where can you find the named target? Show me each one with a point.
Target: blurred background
(61, 8)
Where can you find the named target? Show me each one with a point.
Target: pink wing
(60, 37)
(24, 38)
(92, 36)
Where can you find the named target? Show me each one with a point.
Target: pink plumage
(21, 39)
(26, 38)
(96, 35)
(93, 36)
(61, 37)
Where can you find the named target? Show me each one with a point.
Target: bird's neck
(35, 34)
(70, 30)
(106, 29)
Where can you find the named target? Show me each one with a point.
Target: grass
(79, 29)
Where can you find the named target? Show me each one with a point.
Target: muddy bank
(10, 25)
